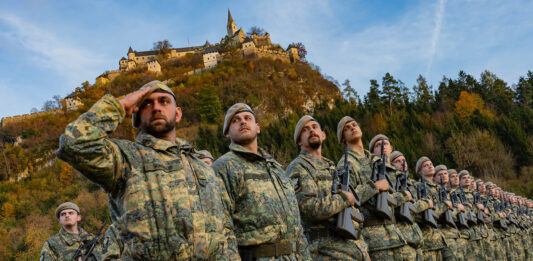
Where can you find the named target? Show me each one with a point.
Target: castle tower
(231, 27)
(131, 54)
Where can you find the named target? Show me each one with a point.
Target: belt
(315, 234)
(377, 222)
(267, 250)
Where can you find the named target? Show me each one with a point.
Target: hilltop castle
(252, 45)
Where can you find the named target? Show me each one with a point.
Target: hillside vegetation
(480, 124)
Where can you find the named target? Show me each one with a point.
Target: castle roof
(130, 50)
(210, 50)
(230, 19)
(145, 53)
(247, 39)
(123, 58)
(152, 60)
(72, 95)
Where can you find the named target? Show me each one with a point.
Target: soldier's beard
(158, 130)
(315, 144)
(244, 140)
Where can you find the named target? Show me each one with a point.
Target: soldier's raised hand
(129, 102)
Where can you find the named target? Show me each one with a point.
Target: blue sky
(49, 48)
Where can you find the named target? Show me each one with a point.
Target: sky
(49, 48)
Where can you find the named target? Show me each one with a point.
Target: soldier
(411, 231)
(113, 246)
(464, 234)
(489, 240)
(475, 249)
(434, 240)
(166, 203)
(206, 157)
(496, 231)
(63, 245)
(450, 232)
(262, 200)
(312, 175)
(384, 239)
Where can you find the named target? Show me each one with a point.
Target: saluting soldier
(63, 245)
(434, 240)
(312, 176)
(384, 239)
(262, 200)
(166, 203)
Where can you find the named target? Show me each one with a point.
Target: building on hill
(154, 66)
(211, 57)
(71, 102)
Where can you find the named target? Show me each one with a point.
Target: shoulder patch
(295, 183)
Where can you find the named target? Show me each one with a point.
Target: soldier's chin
(244, 139)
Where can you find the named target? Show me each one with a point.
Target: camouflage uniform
(166, 203)
(113, 246)
(497, 232)
(313, 180)
(262, 202)
(63, 245)
(384, 239)
(434, 240)
(475, 250)
(464, 233)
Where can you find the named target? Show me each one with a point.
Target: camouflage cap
(340, 127)
(419, 163)
(155, 86)
(451, 171)
(66, 205)
(301, 123)
(463, 173)
(234, 109)
(440, 167)
(376, 139)
(395, 154)
(203, 154)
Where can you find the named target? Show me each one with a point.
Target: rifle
(383, 200)
(460, 216)
(88, 246)
(501, 222)
(470, 217)
(345, 226)
(429, 216)
(443, 196)
(481, 217)
(404, 211)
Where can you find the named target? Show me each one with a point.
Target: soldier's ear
(78, 218)
(178, 114)
(323, 135)
(258, 128)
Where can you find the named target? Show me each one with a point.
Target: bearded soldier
(312, 175)
(262, 200)
(166, 203)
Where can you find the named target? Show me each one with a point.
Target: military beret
(395, 154)
(202, 154)
(234, 109)
(463, 173)
(489, 185)
(450, 171)
(440, 167)
(340, 127)
(478, 181)
(155, 86)
(301, 123)
(419, 163)
(376, 139)
(66, 205)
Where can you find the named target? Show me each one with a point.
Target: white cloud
(436, 33)
(45, 49)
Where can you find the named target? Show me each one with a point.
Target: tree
(372, 100)
(524, 90)
(391, 90)
(302, 52)
(34, 110)
(162, 47)
(49, 105)
(256, 30)
(209, 105)
(423, 92)
(350, 92)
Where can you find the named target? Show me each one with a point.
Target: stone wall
(6, 121)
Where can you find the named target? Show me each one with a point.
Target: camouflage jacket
(113, 246)
(63, 245)
(167, 204)
(262, 200)
(378, 237)
(433, 238)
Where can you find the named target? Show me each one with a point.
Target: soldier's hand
(487, 211)
(382, 184)
(129, 102)
(480, 206)
(502, 215)
(461, 207)
(409, 196)
(350, 197)
(448, 203)
(79, 258)
(430, 203)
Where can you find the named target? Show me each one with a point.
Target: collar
(358, 155)
(150, 141)
(312, 159)
(71, 239)
(263, 155)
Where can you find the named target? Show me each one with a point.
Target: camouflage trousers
(432, 255)
(517, 247)
(333, 248)
(403, 253)
(475, 250)
(450, 252)
(462, 244)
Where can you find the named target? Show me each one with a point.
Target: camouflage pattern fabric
(434, 240)
(166, 203)
(378, 237)
(262, 200)
(475, 249)
(62, 246)
(313, 179)
(112, 246)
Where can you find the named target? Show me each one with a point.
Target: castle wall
(14, 119)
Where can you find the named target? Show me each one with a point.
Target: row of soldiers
(168, 204)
